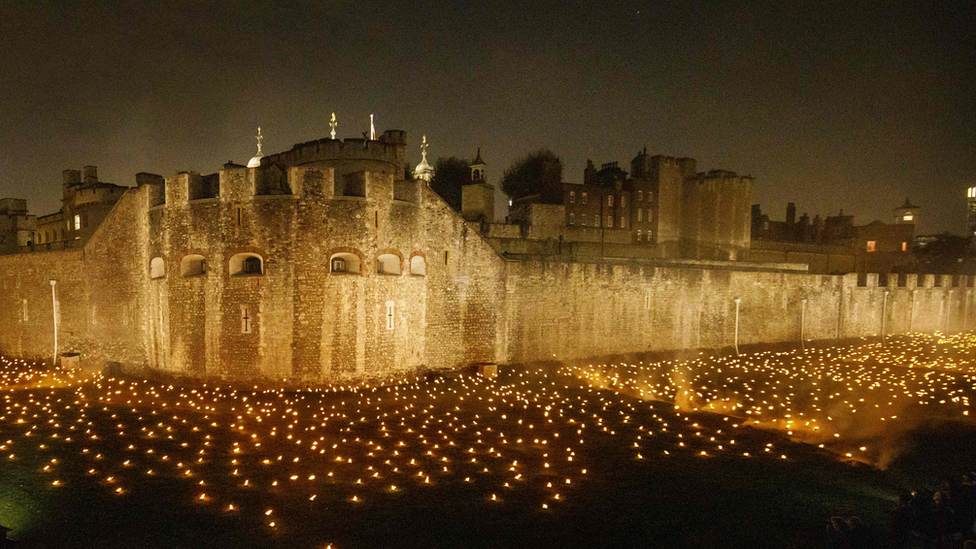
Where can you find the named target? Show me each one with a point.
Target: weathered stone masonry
(232, 275)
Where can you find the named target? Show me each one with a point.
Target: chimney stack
(91, 174)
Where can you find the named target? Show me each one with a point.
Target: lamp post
(803, 310)
(54, 307)
(736, 340)
(884, 318)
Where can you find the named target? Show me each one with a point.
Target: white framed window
(418, 265)
(623, 222)
(572, 197)
(609, 221)
(390, 312)
(157, 269)
(638, 235)
(572, 218)
(640, 215)
(640, 196)
(388, 264)
(610, 201)
(247, 319)
(77, 222)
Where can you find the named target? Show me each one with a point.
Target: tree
(450, 174)
(946, 253)
(537, 173)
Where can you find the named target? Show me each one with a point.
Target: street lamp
(54, 307)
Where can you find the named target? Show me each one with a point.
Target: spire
(478, 160)
(423, 170)
(372, 129)
(255, 160)
(333, 125)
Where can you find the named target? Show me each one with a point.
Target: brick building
(663, 208)
(835, 244)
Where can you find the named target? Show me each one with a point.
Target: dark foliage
(947, 254)
(450, 174)
(537, 173)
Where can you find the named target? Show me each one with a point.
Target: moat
(759, 450)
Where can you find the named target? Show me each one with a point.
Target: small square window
(870, 246)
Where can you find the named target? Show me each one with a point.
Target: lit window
(609, 221)
(640, 196)
(584, 198)
(638, 235)
(572, 218)
(572, 197)
(623, 222)
(640, 215)
(904, 246)
(610, 201)
(77, 222)
(623, 201)
(871, 245)
(907, 217)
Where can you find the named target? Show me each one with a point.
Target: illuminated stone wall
(573, 310)
(463, 302)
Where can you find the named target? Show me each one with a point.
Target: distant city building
(971, 211)
(663, 208)
(835, 244)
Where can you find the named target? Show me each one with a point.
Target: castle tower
(906, 213)
(478, 197)
(423, 171)
(478, 168)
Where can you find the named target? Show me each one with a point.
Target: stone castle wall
(137, 292)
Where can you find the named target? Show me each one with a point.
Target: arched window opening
(388, 264)
(418, 265)
(157, 269)
(246, 264)
(345, 263)
(193, 265)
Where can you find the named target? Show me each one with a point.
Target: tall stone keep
(477, 196)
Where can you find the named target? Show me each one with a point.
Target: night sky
(829, 105)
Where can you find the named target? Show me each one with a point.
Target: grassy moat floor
(709, 451)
